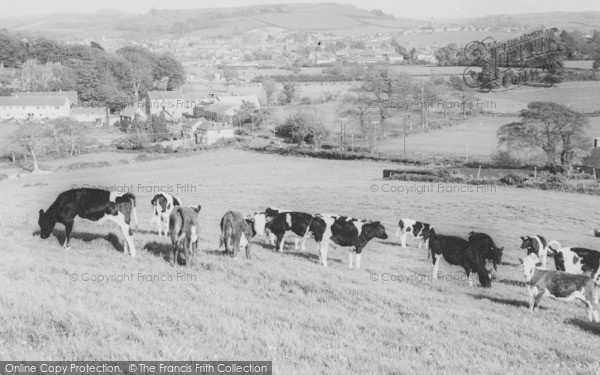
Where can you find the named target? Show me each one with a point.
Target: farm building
(591, 163)
(174, 103)
(89, 115)
(72, 95)
(34, 107)
(128, 114)
(209, 132)
(224, 108)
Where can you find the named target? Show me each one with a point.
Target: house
(128, 114)
(394, 58)
(591, 163)
(175, 103)
(89, 115)
(209, 132)
(72, 95)
(224, 108)
(34, 107)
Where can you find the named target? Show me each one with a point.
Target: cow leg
(173, 257)
(68, 230)
(272, 238)
(323, 252)
(119, 219)
(296, 243)
(537, 299)
(350, 259)
(188, 255)
(436, 266)
(420, 242)
(403, 239)
(303, 245)
(280, 242)
(358, 256)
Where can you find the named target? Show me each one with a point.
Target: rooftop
(72, 95)
(33, 101)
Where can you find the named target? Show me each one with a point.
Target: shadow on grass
(586, 325)
(112, 238)
(309, 256)
(516, 283)
(509, 302)
(159, 249)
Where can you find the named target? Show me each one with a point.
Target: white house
(72, 95)
(89, 115)
(209, 132)
(34, 107)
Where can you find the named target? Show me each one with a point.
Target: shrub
(512, 179)
(306, 100)
(504, 158)
(135, 142)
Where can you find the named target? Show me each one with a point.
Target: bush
(512, 179)
(306, 100)
(135, 142)
(504, 158)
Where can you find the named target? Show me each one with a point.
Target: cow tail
(134, 218)
(554, 242)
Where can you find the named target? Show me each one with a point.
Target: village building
(130, 113)
(72, 95)
(34, 107)
(89, 115)
(209, 132)
(174, 104)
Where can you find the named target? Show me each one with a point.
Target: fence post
(535, 172)
(479, 172)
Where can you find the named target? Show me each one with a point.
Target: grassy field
(285, 307)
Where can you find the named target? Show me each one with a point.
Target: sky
(422, 9)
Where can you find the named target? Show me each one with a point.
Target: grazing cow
(162, 205)
(415, 228)
(347, 232)
(236, 232)
(560, 285)
(261, 219)
(490, 251)
(183, 227)
(460, 252)
(93, 204)
(536, 245)
(298, 223)
(576, 260)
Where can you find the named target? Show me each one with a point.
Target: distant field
(284, 306)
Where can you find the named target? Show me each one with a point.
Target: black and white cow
(560, 285)
(260, 220)
(298, 223)
(576, 260)
(92, 204)
(162, 205)
(460, 252)
(415, 228)
(236, 233)
(346, 232)
(489, 250)
(184, 228)
(536, 245)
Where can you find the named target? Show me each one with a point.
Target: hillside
(341, 19)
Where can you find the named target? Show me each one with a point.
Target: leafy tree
(229, 75)
(400, 49)
(340, 45)
(168, 66)
(450, 54)
(462, 92)
(13, 52)
(96, 45)
(290, 92)
(381, 83)
(304, 126)
(359, 44)
(558, 130)
(141, 66)
(269, 87)
(357, 106)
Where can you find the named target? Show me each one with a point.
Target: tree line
(100, 78)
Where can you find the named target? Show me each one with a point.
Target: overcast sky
(406, 9)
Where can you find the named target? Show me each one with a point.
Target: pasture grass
(284, 306)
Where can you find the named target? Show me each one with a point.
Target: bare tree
(269, 87)
(229, 75)
(33, 138)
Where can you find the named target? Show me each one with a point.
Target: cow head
(529, 263)
(428, 233)
(46, 223)
(375, 230)
(529, 244)
(485, 278)
(259, 220)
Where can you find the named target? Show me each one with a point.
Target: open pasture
(284, 306)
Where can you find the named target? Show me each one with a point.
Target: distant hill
(340, 19)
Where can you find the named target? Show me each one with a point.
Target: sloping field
(285, 307)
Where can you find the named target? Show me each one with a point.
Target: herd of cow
(576, 277)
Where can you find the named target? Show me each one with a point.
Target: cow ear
(198, 208)
(522, 238)
(41, 212)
